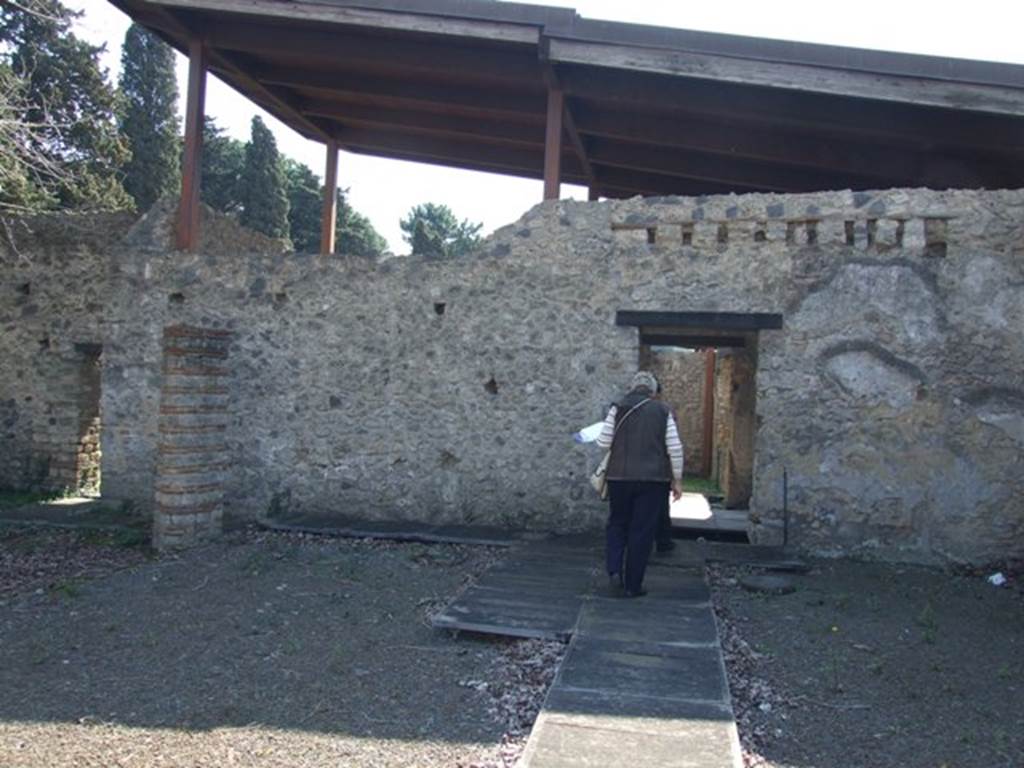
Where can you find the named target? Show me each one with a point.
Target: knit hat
(644, 380)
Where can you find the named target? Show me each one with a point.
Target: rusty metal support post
(553, 145)
(329, 214)
(187, 230)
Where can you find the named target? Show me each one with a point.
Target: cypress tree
(304, 203)
(264, 199)
(149, 117)
(223, 160)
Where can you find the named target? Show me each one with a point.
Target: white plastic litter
(997, 579)
(589, 434)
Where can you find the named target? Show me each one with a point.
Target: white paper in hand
(589, 434)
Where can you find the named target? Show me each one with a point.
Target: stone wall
(448, 390)
(735, 409)
(57, 277)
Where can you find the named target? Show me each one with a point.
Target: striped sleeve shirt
(673, 444)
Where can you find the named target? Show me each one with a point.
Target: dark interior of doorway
(707, 377)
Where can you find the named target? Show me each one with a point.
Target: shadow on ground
(262, 633)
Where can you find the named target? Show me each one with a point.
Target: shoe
(615, 588)
(637, 593)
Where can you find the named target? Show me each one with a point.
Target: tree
(223, 161)
(66, 149)
(149, 117)
(432, 230)
(264, 200)
(353, 232)
(304, 204)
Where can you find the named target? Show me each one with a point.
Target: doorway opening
(66, 451)
(706, 364)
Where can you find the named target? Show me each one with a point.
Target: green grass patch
(704, 485)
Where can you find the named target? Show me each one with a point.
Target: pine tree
(223, 161)
(264, 201)
(433, 230)
(66, 149)
(149, 117)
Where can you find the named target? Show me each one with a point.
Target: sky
(385, 190)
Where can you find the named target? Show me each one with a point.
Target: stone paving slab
(691, 673)
(629, 711)
(692, 625)
(592, 743)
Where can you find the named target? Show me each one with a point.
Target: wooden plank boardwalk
(643, 681)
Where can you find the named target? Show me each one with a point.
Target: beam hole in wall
(723, 233)
(652, 235)
(44, 343)
(935, 233)
(687, 234)
(872, 232)
(848, 228)
(439, 308)
(491, 386)
(176, 298)
(761, 232)
(812, 233)
(25, 289)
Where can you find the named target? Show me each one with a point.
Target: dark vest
(639, 452)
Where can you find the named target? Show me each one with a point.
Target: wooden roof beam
(178, 34)
(403, 93)
(486, 130)
(358, 53)
(509, 30)
(781, 145)
(717, 69)
(917, 128)
(723, 170)
(511, 160)
(619, 182)
(569, 123)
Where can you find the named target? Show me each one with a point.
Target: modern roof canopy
(540, 92)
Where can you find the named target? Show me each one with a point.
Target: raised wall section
(448, 390)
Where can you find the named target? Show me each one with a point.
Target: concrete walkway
(643, 681)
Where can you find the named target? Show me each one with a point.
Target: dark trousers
(634, 512)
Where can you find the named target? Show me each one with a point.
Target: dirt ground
(258, 650)
(870, 665)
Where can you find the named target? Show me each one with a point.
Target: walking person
(645, 462)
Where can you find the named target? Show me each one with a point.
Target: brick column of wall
(192, 453)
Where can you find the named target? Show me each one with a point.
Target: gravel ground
(258, 650)
(876, 665)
